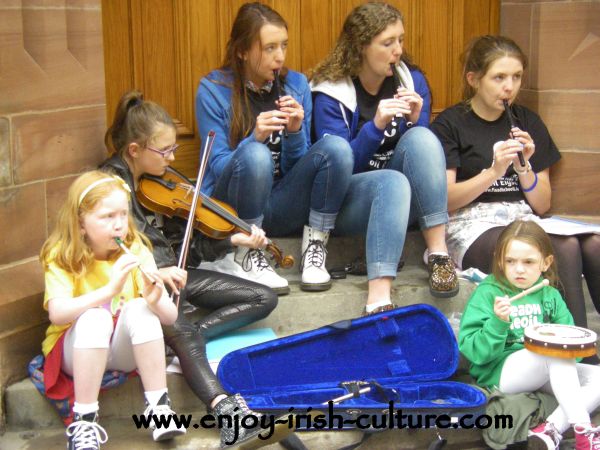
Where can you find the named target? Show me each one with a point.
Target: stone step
(33, 423)
(123, 435)
(342, 250)
(297, 312)
(301, 311)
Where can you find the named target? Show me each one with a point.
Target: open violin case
(404, 356)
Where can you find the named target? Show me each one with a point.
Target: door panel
(164, 48)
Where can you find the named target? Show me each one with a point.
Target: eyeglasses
(165, 152)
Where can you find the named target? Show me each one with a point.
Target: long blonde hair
(360, 27)
(66, 246)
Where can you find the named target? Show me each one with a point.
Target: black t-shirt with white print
(265, 101)
(468, 142)
(367, 107)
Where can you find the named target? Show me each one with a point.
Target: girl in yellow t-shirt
(106, 306)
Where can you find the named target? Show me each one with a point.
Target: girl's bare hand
(389, 108)
(414, 100)
(505, 154)
(257, 239)
(502, 308)
(526, 141)
(288, 104)
(174, 277)
(120, 270)
(269, 121)
(153, 287)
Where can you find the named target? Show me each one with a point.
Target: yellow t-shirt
(61, 284)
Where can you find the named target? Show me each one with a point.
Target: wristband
(532, 187)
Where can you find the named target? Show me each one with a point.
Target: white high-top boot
(314, 274)
(257, 269)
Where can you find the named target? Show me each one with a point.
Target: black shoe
(85, 434)
(593, 360)
(167, 428)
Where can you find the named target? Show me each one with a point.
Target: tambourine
(560, 341)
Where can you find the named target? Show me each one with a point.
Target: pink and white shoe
(544, 437)
(587, 438)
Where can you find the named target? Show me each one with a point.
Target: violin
(171, 195)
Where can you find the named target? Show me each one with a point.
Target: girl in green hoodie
(491, 337)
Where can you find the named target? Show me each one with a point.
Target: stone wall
(562, 40)
(52, 121)
(562, 83)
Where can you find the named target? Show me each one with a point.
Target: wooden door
(164, 47)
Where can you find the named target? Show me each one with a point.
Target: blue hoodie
(337, 113)
(213, 112)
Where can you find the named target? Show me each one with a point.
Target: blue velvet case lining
(409, 351)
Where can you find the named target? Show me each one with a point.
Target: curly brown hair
(360, 27)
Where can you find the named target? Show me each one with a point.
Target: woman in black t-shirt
(488, 187)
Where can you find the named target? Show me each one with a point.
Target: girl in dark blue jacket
(367, 93)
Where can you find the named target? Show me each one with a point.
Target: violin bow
(189, 229)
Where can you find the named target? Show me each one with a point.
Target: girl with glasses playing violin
(142, 138)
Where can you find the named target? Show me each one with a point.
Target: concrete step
(343, 249)
(123, 435)
(297, 312)
(32, 423)
(302, 311)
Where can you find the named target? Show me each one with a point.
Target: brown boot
(443, 281)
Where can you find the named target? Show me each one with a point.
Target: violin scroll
(284, 262)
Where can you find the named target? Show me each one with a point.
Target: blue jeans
(378, 204)
(420, 157)
(312, 191)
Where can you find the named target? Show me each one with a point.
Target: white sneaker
(314, 274)
(256, 268)
(225, 265)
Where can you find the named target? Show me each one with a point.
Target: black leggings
(575, 255)
(233, 303)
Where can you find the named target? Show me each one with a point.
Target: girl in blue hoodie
(357, 96)
(264, 165)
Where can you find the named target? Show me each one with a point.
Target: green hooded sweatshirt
(486, 340)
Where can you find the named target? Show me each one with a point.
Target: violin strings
(215, 207)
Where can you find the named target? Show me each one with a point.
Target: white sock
(85, 408)
(152, 397)
(439, 253)
(372, 306)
